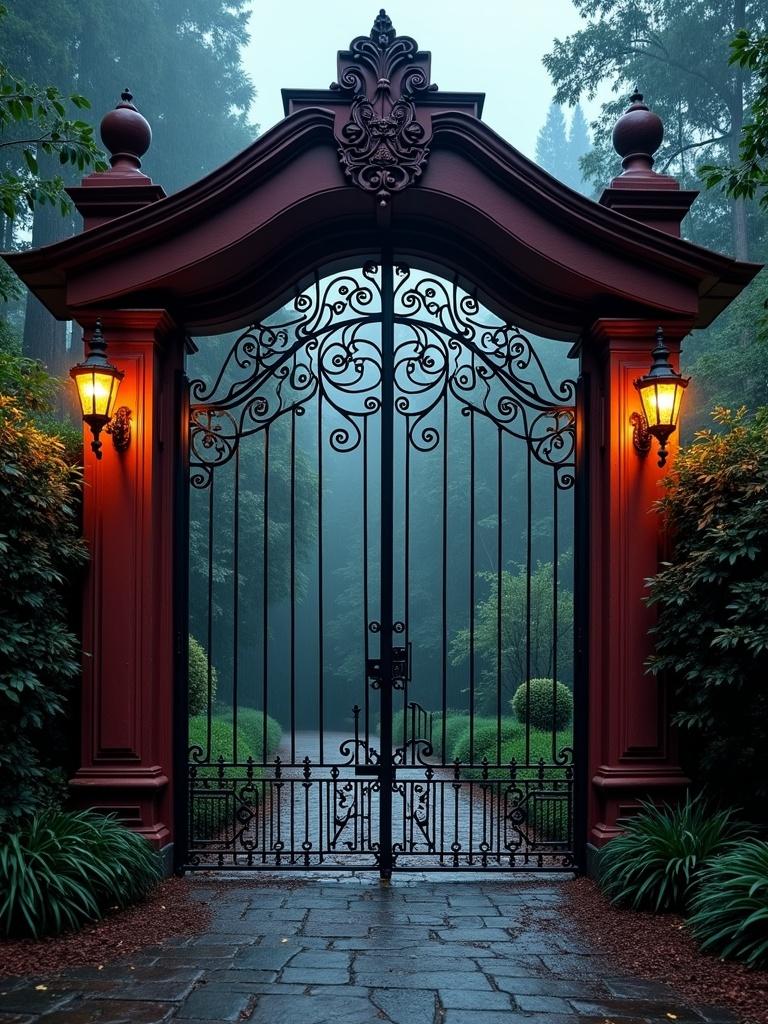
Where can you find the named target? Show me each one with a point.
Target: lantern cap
(660, 365)
(96, 359)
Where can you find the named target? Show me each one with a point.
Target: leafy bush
(545, 707)
(250, 726)
(652, 864)
(484, 739)
(62, 869)
(198, 679)
(455, 725)
(712, 631)
(40, 547)
(222, 739)
(729, 910)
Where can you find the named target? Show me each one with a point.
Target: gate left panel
(283, 586)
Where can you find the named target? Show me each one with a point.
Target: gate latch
(401, 667)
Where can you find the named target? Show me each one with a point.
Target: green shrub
(543, 711)
(250, 727)
(198, 679)
(711, 634)
(62, 869)
(653, 863)
(455, 724)
(222, 739)
(539, 747)
(729, 910)
(40, 550)
(250, 736)
(484, 739)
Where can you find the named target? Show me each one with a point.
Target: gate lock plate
(401, 667)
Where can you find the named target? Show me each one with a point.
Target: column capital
(611, 333)
(128, 325)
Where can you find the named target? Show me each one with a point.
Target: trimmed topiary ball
(198, 679)
(653, 863)
(545, 708)
(729, 910)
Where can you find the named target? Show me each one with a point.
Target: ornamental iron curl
(328, 344)
(383, 147)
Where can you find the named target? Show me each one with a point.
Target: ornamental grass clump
(63, 869)
(654, 862)
(729, 910)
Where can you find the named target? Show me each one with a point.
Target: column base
(134, 795)
(618, 791)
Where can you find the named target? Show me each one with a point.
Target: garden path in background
(349, 950)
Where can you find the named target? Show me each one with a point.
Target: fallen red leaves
(660, 948)
(168, 910)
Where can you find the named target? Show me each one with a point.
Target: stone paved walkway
(347, 950)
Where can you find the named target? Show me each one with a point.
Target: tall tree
(579, 145)
(196, 97)
(677, 51)
(552, 143)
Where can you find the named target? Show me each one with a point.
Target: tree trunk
(44, 336)
(738, 206)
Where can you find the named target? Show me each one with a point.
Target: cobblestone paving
(348, 950)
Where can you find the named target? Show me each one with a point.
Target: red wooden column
(631, 754)
(127, 695)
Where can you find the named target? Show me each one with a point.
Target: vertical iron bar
(444, 588)
(181, 791)
(406, 572)
(555, 552)
(578, 785)
(320, 611)
(235, 600)
(471, 588)
(209, 638)
(366, 635)
(528, 553)
(499, 587)
(387, 556)
(293, 586)
(265, 609)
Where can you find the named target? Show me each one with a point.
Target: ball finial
(637, 135)
(126, 134)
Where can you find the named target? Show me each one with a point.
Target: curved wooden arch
(222, 250)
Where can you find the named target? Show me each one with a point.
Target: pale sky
(491, 46)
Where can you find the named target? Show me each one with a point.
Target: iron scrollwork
(328, 344)
(383, 147)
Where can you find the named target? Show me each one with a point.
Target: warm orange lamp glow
(97, 383)
(661, 394)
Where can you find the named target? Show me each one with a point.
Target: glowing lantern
(97, 383)
(661, 393)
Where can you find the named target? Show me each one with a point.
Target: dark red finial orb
(637, 135)
(126, 134)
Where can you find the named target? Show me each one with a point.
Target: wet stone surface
(348, 950)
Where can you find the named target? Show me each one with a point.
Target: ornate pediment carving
(384, 146)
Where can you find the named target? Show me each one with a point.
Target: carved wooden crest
(383, 147)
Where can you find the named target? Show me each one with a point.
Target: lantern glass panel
(661, 402)
(98, 391)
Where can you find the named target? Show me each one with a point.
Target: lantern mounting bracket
(119, 428)
(641, 435)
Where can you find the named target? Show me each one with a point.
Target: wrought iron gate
(381, 537)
